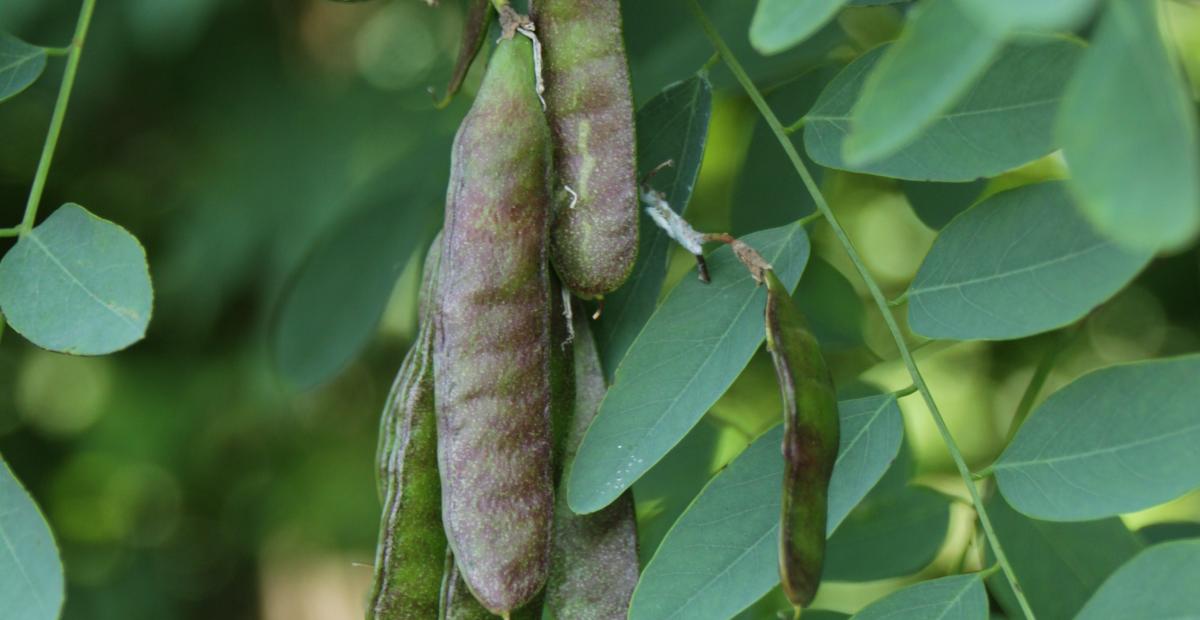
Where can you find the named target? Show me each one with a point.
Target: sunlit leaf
(332, 305)
(1128, 131)
(691, 350)
(1116, 440)
(21, 64)
(939, 54)
(780, 24)
(1059, 565)
(723, 552)
(31, 575)
(1002, 121)
(1159, 583)
(77, 284)
(961, 597)
(1019, 263)
(671, 127)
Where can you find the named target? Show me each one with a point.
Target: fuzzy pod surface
(594, 561)
(412, 544)
(810, 442)
(590, 105)
(457, 602)
(384, 460)
(491, 350)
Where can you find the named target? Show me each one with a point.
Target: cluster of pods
(504, 379)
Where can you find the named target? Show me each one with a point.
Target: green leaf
(1159, 583)
(1002, 122)
(1171, 530)
(1128, 132)
(872, 431)
(781, 24)
(693, 577)
(723, 553)
(893, 532)
(1116, 440)
(688, 354)
(1012, 16)
(938, 203)
(332, 304)
(1059, 565)
(1019, 263)
(767, 192)
(672, 126)
(77, 284)
(939, 54)
(831, 304)
(961, 597)
(31, 574)
(21, 64)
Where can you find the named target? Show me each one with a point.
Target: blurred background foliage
(184, 478)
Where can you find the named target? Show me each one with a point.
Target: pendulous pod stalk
(810, 442)
(594, 237)
(594, 561)
(491, 351)
(408, 558)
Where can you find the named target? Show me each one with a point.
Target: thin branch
(777, 128)
(60, 114)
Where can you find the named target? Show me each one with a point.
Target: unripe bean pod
(408, 558)
(491, 351)
(594, 240)
(810, 442)
(594, 562)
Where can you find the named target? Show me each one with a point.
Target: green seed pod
(408, 558)
(594, 241)
(810, 442)
(491, 353)
(387, 422)
(594, 561)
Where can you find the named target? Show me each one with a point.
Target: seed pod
(810, 442)
(457, 602)
(387, 422)
(594, 241)
(594, 561)
(491, 352)
(408, 558)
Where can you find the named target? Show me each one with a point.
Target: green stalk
(60, 113)
(880, 301)
(1040, 374)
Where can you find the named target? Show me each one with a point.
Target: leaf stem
(794, 127)
(60, 114)
(777, 128)
(899, 301)
(912, 389)
(1038, 381)
(15, 231)
(58, 51)
(810, 218)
